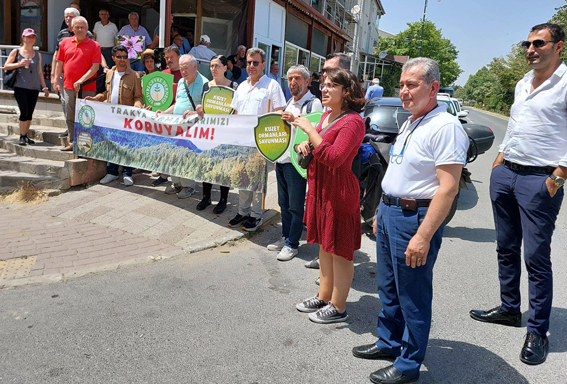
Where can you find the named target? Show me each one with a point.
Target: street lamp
(422, 26)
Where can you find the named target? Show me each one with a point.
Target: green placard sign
(300, 137)
(217, 100)
(272, 136)
(158, 90)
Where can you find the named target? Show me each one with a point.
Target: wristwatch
(558, 181)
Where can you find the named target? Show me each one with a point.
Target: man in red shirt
(78, 58)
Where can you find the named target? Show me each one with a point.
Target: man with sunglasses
(123, 87)
(257, 95)
(526, 189)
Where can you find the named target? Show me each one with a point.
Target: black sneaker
(252, 224)
(28, 140)
(220, 207)
(204, 203)
(237, 220)
(159, 181)
(328, 315)
(22, 140)
(310, 305)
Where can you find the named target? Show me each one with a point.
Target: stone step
(51, 135)
(13, 179)
(12, 162)
(40, 150)
(55, 119)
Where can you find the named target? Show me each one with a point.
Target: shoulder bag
(10, 77)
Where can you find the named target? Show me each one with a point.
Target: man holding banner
(189, 89)
(291, 185)
(256, 96)
(123, 87)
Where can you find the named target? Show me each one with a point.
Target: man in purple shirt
(135, 29)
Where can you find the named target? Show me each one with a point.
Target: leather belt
(405, 203)
(528, 168)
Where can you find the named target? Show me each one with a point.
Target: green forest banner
(219, 149)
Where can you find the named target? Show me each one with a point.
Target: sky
(480, 29)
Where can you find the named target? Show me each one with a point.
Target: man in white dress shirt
(526, 189)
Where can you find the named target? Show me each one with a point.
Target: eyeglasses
(329, 86)
(254, 63)
(121, 57)
(537, 43)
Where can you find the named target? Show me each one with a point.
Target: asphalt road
(216, 317)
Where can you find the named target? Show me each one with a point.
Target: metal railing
(4, 53)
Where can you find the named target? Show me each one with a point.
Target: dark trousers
(208, 187)
(27, 100)
(291, 199)
(406, 293)
(113, 169)
(524, 209)
(100, 83)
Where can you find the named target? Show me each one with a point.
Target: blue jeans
(524, 209)
(406, 293)
(113, 169)
(291, 199)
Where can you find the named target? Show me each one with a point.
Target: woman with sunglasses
(218, 65)
(332, 211)
(29, 80)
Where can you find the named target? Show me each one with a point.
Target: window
(294, 55)
(320, 42)
(296, 31)
(32, 15)
(316, 64)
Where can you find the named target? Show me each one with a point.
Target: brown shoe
(67, 148)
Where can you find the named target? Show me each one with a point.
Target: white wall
(55, 9)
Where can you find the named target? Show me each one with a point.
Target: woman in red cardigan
(332, 212)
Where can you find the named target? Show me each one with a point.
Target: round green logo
(87, 116)
(158, 92)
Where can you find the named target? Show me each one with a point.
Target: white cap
(205, 39)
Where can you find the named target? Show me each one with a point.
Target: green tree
(435, 46)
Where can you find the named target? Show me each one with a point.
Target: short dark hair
(557, 33)
(354, 98)
(344, 59)
(118, 48)
(315, 75)
(146, 56)
(173, 48)
(221, 58)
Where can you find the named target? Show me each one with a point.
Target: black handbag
(10, 78)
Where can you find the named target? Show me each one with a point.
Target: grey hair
(240, 47)
(429, 69)
(188, 57)
(72, 11)
(257, 51)
(134, 13)
(79, 18)
(301, 69)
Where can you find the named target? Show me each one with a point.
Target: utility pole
(422, 26)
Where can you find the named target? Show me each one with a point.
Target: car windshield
(450, 106)
(385, 116)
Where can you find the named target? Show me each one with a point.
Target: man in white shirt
(105, 32)
(202, 51)
(123, 86)
(526, 189)
(291, 185)
(420, 184)
(257, 95)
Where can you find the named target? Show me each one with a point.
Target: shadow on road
(558, 330)
(458, 362)
(481, 235)
(468, 198)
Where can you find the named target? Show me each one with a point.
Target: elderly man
(202, 51)
(375, 90)
(135, 29)
(233, 59)
(275, 73)
(189, 94)
(123, 87)
(64, 22)
(419, 187)
(526, 189)
(291, 185)
(256, 96)
(79, 58)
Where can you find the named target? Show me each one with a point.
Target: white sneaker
(287, 253)
(172, 189)
(185, 192)
(277, 246)
(128, 181)
(108, 178)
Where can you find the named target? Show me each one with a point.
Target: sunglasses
(537, 43)
(254, 63)
(121, 57)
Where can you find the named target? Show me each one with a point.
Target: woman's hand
(46, 91)
(304, 124)
(91, 98)
(188, 113)
(303, 148)
(200, 110)
(25, 63)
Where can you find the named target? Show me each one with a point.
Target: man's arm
(90, 73)
(53, 65)
(57, 75)
(418, 247)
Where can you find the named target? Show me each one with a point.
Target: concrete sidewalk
(103, 227)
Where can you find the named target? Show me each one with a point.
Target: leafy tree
(435, 46)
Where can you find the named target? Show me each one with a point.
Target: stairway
(42, 164)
